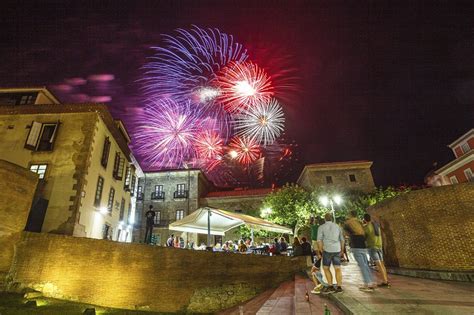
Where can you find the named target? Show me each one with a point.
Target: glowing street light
(330, 200)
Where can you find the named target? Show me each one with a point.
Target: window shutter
(105, 152)
(53, 136)
(33, 136)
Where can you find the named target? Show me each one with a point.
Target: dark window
(118, 166)
(179, 214)
(39, 169)
(110, 203)
(122, 209)
(105, 152)
(18, 98)
(41, 136)
(157, 217)
(352, 178)
(98, 191)
(328, 179)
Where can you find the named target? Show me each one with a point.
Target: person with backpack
(373, 240)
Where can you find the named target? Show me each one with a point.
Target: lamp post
(330, 200)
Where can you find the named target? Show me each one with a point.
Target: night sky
(391, 83)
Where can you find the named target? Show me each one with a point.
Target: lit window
(465, 147)
(157, 217)
(98, 191)
(469, 175)
(179, 214)
(110, 203)
(453, 180)
(39, 169)
(352, 178)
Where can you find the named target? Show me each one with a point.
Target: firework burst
(242, 85)
(263, 122)
(209, 145)
(167, 136)
(244, 150)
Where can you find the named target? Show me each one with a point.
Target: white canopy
(222, 221)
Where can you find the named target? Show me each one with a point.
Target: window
(328, 179)
(179, 214)
(180, 188)
(122, 209)
(469, 175)
(129, 214)
(140, 193)
(41, 136)
(106, 232)
(98, 191)
(352, 178)
(157, 217)
(110, 203)
(18, 98)
(465, 147)
(128, 174)
(118, 166)
(105, 153)
(118, 234)
(39, 169)
(453, 180)
(132, 185)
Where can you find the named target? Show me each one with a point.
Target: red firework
(244, 150)
(243, 85)
(208, 145)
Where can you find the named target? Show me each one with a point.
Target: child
(317, 277)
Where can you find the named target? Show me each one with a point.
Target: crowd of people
(330, 249)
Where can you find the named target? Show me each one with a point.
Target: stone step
(281, 302)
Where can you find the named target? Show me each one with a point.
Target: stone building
(80, 153)
(350, 176)
(173, 194)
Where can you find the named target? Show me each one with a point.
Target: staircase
(288, 299)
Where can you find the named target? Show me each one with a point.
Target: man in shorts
(373, 240)
(331, 245)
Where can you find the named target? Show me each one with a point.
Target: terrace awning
(222, 221)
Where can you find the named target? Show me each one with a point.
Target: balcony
(160, 195)
(180, 194)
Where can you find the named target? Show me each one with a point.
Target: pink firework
(167, 137)
(209, 145)
(243, 85)
(244, 150)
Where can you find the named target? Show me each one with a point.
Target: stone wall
(138, 276)
(430, 229)
(17, 189)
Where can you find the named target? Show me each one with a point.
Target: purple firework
(166, 133)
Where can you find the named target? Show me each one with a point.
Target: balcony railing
(158, 195)
(180, 194)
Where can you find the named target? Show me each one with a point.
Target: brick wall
(430, 229)
(138, 276)
(17, 188)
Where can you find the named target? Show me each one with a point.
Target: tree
(291, 206)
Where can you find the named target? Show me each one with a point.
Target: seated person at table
(283, 245)
(275, 248)
(306, 247)
(242, 247)
(317, 277)
(297, 249)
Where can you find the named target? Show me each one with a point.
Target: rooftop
(465, 136)
(240, 193)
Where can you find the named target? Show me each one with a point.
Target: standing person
(297, 250)
(331, 245)
(355, 230)
(169, 241)
(283, 246)
(150, 220)
(306, 247)
(315, 223)
(176, 243)
(373, 240)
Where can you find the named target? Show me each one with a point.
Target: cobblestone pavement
(407, 295)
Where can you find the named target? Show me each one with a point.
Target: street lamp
(325, 200)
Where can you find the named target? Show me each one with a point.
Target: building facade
(461, 169)
(81, 155)
(350, 176)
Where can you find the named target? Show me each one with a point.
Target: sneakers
(338, 290)
(316, 291)
(384, 284)
(366, 289)
(327, 290)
